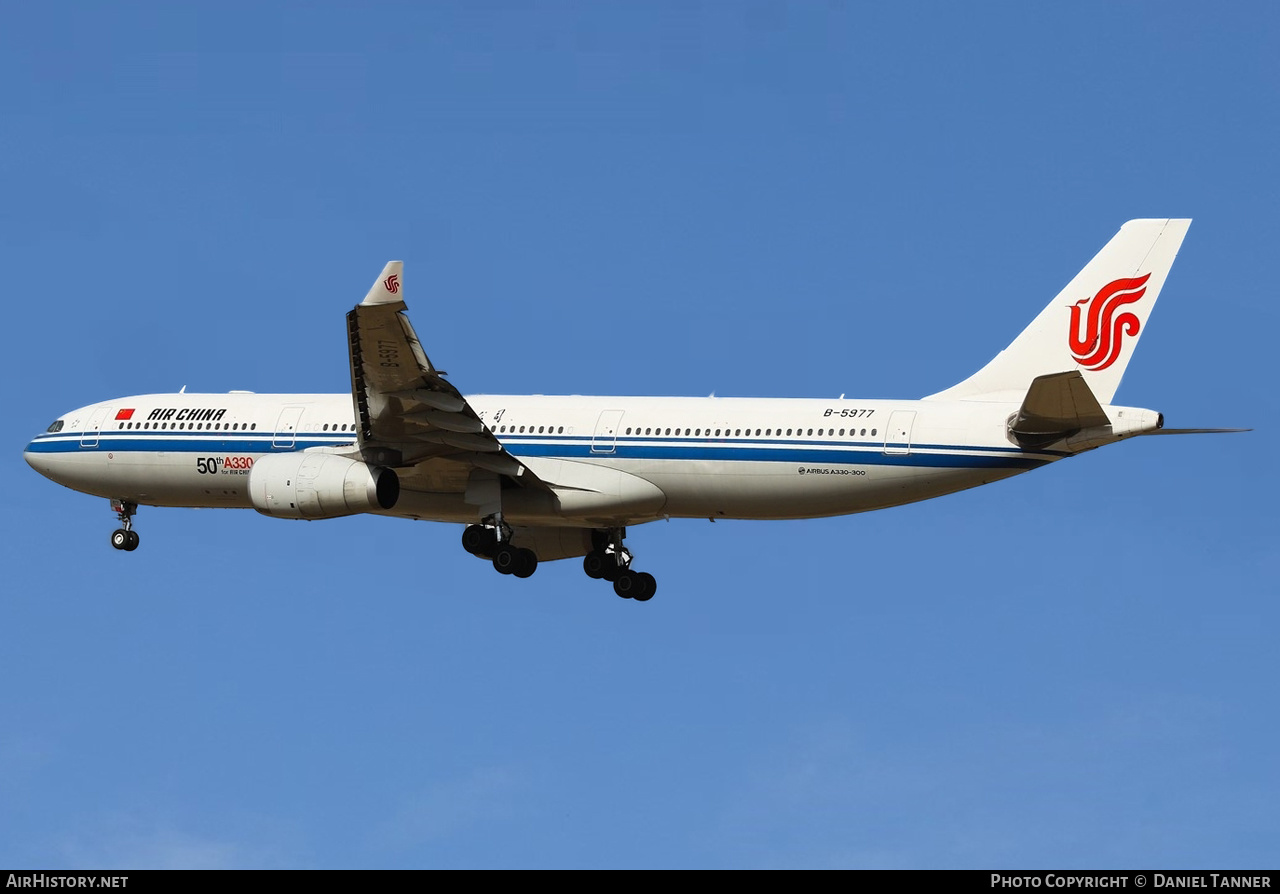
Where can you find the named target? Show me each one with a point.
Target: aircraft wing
(410, 417)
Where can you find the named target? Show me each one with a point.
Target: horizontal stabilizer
(1195, 431)
(1056, 406)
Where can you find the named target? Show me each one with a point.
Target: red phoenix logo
(392, 283)
(1099, 344)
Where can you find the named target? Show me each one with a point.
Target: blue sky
(1071, 668)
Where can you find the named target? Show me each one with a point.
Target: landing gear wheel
(479, 540)
(648, 586)
(594, 563)
(627, 585)
(120, 538)
(133, 541)
(612, 571)
(506, 560)
(526, 562)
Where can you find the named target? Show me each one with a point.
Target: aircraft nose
(37, 461)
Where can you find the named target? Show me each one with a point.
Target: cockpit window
(57, 426)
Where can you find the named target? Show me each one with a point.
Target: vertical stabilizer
(1094, 323)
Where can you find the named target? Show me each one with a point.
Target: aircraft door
(605, 440)
(897, 434)
(287, 428)
(89, 437)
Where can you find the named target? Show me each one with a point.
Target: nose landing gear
(124, 537)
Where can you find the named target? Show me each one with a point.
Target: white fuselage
(679, 457)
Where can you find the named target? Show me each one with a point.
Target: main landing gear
(125, 537)
(611, 561)
(608, 560)
(493, 541)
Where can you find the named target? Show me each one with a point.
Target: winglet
(387, 288)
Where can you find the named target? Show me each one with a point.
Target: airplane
(541, 478)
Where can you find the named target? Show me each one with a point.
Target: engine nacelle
(320, 485)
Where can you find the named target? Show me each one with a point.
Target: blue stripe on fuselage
(171, 442)
(783, 454)
(801, 451)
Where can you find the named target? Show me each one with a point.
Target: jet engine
(320, 485)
